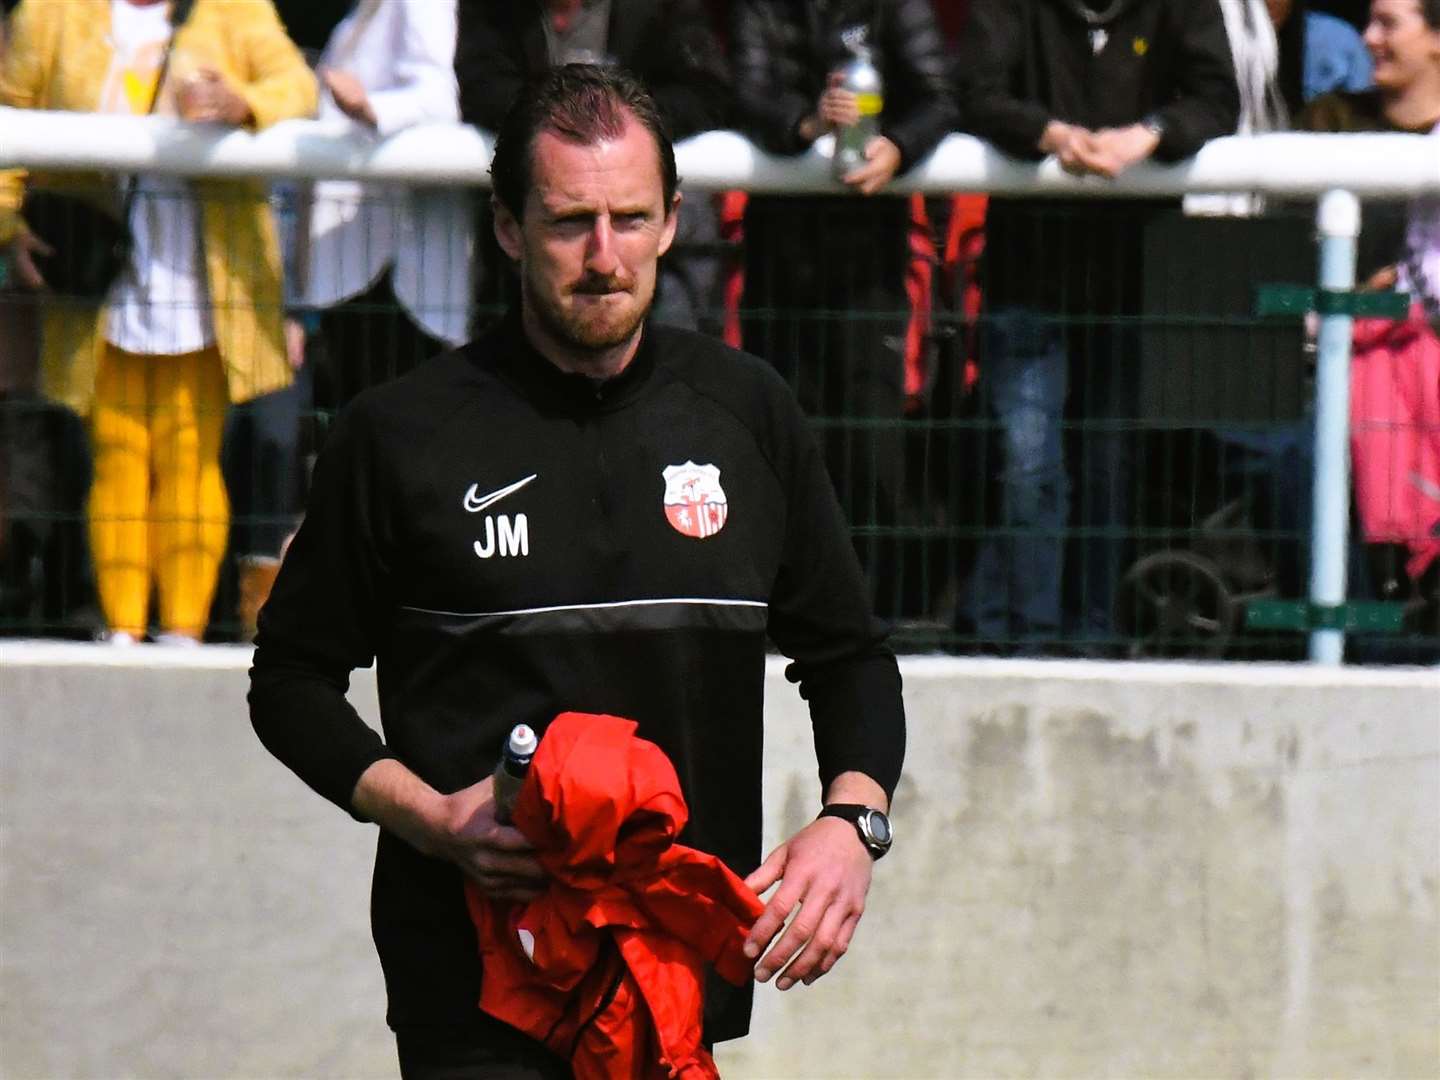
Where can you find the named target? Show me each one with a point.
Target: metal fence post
(1338, 218)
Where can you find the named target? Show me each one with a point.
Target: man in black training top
(577, 511)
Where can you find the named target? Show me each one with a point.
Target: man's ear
(667, 230)
(507, 229)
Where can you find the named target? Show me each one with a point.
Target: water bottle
(510, 770)
(861, 78)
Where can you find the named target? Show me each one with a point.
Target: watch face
(879, 828)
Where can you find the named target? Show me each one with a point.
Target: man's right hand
(497, 857)
(461, 828)
(21, 252)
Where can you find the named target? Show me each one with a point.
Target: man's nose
(601, 257)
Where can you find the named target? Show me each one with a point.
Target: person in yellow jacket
(194, 322)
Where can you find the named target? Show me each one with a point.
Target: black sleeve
(1205, 100)
(992, 59)
(918, 71)
(767, 109)
(685, 70)
(820, 617)
(323, 620)
(489, 61)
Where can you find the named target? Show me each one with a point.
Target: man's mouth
(601, 288)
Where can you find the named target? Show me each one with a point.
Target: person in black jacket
(579, 510)
(1101, 85)
(825, 275)
(670, 45)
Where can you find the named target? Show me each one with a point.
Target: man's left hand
(882, 161)
(825, 870)
(1113, 150)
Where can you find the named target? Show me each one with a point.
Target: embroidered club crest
(695, 502)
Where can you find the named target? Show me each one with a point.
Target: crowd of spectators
(188, 384)
(192, 320)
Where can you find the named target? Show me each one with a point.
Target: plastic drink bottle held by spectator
(862, 79)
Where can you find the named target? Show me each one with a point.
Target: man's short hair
(581, 103)
(1431, 10)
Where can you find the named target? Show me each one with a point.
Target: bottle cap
(522, 741)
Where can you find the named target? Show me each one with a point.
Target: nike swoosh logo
(475, 502)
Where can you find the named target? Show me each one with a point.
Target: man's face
(1403, 46)
(595, 226)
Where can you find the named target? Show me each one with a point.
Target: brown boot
(257, 577)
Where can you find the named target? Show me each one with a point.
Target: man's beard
(587, 332)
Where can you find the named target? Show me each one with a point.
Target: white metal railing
(1338, 168)
(1371, 166)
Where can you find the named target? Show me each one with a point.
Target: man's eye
(632, 220)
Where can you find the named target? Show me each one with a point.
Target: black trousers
(485, 1050)
(264, 473)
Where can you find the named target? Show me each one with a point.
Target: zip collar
(507, 351)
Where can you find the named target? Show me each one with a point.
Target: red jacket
(1395, 435)
(607, 968)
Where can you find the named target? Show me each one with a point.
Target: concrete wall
(1101, 870)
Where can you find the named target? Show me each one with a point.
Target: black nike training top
(508, 541)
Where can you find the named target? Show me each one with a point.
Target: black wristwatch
(872, 825)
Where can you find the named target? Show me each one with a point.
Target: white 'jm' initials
(513, 539)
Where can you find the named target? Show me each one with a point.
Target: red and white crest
(695, 503)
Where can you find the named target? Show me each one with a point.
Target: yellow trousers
(158, 510)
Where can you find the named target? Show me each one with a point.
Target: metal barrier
(1210, 486)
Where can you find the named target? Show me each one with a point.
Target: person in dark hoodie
(670, 45)
(825, 274)
(1101, 85)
